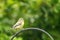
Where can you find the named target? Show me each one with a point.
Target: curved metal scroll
(32, 29)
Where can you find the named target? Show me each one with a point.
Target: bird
(19, 24)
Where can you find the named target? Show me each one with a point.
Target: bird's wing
(19, 22)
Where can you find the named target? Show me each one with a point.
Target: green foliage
(43, 14)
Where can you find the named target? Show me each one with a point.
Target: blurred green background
(44, 14)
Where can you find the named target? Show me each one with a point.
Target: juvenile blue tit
(19, 24)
